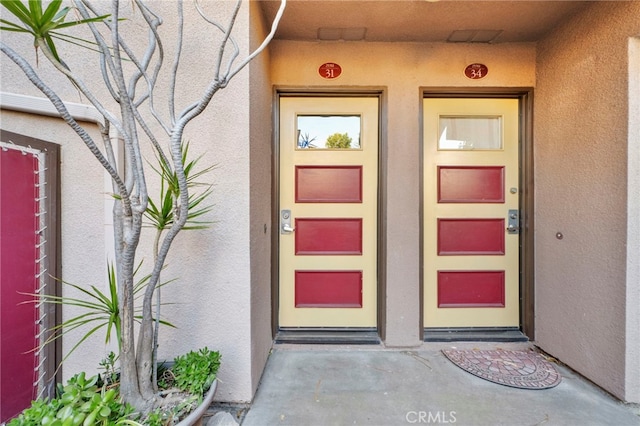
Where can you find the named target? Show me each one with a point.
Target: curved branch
(153, 21)
(150, 135)
(236, 49)
(227, 35)
(265, 42)
(105, 56)
(128, 118)
(132, 57)
(106, 79)
(176, 64)
(66, 116)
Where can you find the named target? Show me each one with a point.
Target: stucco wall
(401, 69)
(213, 288)
(581, 144)
(632, 384)
(260, 193)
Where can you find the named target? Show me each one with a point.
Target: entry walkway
(325, 385)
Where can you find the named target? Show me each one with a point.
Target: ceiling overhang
(420, 21)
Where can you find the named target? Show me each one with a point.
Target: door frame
(526, 166)
(329, 335)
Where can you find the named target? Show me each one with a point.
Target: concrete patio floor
(368, 385)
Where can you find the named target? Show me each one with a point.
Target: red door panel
(328, 236)
(460, 289)
(470, 237)
(328, 289)
(470, 184)
(18, 254)
(328, 184)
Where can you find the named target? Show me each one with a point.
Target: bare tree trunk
(129, 388)
(146, 336)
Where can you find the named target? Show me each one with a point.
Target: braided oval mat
(518, 369)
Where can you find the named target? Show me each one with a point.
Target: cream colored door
(471, 240)
(328, 211)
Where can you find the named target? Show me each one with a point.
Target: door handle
(285, 222)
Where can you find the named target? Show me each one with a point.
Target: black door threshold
(328, 336)
(474, 335)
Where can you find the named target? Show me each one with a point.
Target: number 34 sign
(476, 71)
(330, 70)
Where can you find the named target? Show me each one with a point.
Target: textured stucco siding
(261, 141)
(581, 144)
(401, 69)
(632, 385)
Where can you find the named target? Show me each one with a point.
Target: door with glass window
(328, 173)
(471, 213)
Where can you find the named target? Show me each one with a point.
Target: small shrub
(79, 402)
(96, 401)
(195, 371)
(339, 140)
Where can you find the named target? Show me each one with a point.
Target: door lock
(285, 222)
(513, 224)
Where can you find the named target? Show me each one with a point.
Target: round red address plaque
(330, 70)
(476, 71)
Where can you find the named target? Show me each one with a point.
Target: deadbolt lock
(513, 224)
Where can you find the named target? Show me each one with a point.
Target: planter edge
(196, 414)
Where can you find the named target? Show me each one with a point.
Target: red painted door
(471, 196)
(328, 218)
(18, 269)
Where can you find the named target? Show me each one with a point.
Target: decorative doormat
(518, 369)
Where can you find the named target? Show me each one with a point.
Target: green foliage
(40, 412)
(100, 310)
(156, 418)
(96, 400)
(339, 140)
(195, 371)
(43, 25)
(161, 214)
(80, 402)
(111, 374)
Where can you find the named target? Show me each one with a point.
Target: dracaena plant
(161, 215)
(131, 82)
(99, 310)
(45, 25)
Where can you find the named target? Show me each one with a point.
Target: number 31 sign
(476, 71)
(330, 70)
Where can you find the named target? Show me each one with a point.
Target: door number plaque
(330, 70)
(476, 71)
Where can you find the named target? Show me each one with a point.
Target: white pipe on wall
(43, 106)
